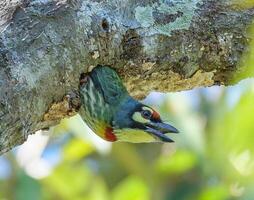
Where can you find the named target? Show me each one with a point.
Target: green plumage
(107, 81)
(101, 95)
(113, 114)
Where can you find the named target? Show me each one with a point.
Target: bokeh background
(212, 157)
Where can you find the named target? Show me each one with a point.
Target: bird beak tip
(166, 128)
(160, 130)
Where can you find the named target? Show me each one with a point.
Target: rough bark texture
(154, 44)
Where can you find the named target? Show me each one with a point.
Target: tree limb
(155, 45)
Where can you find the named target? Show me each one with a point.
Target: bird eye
(146, 114)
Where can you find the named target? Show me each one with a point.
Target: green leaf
(179, 163)
(77, 149)
(132, 188)
(219, 192)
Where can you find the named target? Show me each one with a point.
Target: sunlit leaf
(235, 129)
(132, 188)
(98, 190)
(231, 140)
(179, 163)
(77, 149)
(219, 192)
(69, 181)
(247, 60)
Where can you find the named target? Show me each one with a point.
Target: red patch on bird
(109, 135)
(155, 115)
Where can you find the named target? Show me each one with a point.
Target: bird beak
(159, 129)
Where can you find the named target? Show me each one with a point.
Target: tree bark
(154, 45)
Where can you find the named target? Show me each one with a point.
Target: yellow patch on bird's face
(134, 136)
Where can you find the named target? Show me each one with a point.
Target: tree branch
(154, 45)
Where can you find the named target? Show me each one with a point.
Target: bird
(111, 113)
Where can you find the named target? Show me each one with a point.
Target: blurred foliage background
(212, 158)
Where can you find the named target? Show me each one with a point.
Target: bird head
(136, 122)
(109, 110)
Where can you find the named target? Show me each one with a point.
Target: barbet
(109, 110)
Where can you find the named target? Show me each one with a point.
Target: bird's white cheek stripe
(138, 118)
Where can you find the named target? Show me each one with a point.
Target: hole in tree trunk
(105, 25)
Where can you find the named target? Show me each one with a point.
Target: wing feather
(107, 81)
